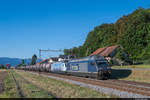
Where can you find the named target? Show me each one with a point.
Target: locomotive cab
(103, 69)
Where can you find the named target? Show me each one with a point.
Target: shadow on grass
(120, 73)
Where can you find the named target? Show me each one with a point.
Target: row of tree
(2, 66)
(34, 58)
(132, 32)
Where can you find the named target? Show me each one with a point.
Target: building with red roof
(106, 51)
(110, 53)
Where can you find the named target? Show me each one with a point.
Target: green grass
(63, 89)
(138, 76)
(10, 88)
(132, 66)
(30, 90)
(132, 75)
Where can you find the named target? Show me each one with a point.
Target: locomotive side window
(92, 63)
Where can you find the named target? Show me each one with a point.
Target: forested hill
(132, 32)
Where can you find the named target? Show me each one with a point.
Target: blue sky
(28, 25)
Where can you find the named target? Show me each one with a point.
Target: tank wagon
(42, 67)
(48, 67)
(37, 67)
(91, 66)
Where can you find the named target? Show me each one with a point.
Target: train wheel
(100, 75)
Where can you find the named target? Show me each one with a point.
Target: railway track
(122, 85)
(20, 91)
(40, 88)
(21, 94)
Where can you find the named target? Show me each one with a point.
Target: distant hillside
(14, 61)
(131, 31)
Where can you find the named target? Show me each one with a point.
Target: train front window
(101, 63)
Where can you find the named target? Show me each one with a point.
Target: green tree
(22, 62)
(131, 31)
(67, 51)
(2, 66)
(34, 58)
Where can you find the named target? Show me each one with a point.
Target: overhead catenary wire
(48, 50)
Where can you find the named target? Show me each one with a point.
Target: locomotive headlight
(109, 71)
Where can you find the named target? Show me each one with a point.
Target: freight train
(92, 66)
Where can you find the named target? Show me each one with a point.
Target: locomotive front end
(104, 69)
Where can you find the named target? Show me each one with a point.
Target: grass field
(138, 76)
(141, 75)
(10, 89)
(60, 89)
(29, 90)
(132, 66)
